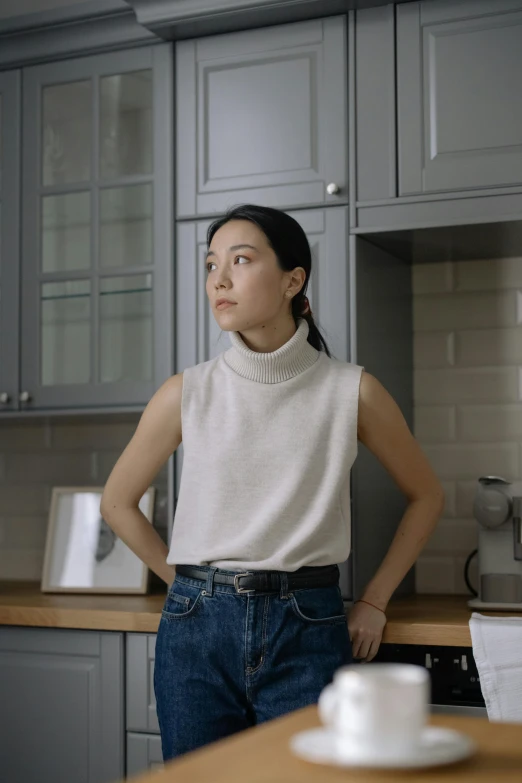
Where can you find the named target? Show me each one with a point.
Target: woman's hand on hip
(365, 626)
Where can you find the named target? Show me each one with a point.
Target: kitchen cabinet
(61, 709)
(10, 96)
(141, 703)
(97, 259)
(143, 753)
(459, 112)
(142, 728)
(262, 118)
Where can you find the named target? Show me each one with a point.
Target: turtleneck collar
(291, 359)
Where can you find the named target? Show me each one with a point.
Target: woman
(254, 625)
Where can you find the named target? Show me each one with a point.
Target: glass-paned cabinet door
(10, 93)
(97, 286)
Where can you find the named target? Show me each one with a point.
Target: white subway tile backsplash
(435, 574)
(452, 536)
(474, 385)
(450, 492)
(36, 456)
(433, 350)
(480, 303)
(99, 436)
(489, 423)
(435, 423)
(19, 530)
(24, 564)
(464, 311)
(488, 275)
(474, 460)
(22, 436)
(58, 469)
(466, 495)
(460, 584)
(432, 278)
(105, 461)
(493, 347)
(16, 499)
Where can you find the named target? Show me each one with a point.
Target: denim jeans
(226, 661)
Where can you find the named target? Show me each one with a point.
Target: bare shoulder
(378, 410)
(163, 411)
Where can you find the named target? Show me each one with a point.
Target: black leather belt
(265, 581)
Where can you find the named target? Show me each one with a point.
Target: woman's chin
(227, 319)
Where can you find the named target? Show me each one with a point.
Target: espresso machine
(497, 508)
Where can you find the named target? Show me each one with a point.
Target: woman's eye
(211, 263)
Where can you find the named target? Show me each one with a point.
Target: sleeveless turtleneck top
(269, 440)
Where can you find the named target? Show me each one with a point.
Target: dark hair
(290, 245)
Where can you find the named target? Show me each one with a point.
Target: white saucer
(437, 746)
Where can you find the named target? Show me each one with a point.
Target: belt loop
(210, 580)
(284, 584)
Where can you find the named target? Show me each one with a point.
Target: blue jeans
(226, 661)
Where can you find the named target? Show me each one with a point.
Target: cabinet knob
(24, 396)
(4, 398)
(332, 188)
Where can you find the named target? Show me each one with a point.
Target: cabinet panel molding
(262, 118)
(458, 81)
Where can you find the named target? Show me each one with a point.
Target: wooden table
(261, 755)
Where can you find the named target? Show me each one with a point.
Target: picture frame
(83, 554)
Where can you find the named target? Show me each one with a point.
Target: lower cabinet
(143, 740)
(61, 706)
(143, 753)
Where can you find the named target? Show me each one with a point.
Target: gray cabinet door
(143, 753)
(262, 117)
(139, 686)
(97, 248)
(10, 95)
(61, 709)
(459, 67)
(197, 333)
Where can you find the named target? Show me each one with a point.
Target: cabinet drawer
(141, 702)
(143, 753)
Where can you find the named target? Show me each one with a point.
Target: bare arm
(157, 436)
(383, 429)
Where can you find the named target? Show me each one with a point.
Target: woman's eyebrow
(233, 247)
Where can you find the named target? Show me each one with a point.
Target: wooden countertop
(418, 619)
(244, 757)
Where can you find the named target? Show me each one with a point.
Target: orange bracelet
(362, 601)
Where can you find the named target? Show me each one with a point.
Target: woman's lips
(224, 305)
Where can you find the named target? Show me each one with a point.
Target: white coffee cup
(377, 709)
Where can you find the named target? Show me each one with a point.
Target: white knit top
(269, 440)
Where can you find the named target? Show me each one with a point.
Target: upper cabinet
(459, 68)
(10, 93)
(97, 282)
(262, 117)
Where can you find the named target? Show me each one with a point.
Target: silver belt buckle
(242, 589)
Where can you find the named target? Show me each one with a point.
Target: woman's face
(242, 267)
